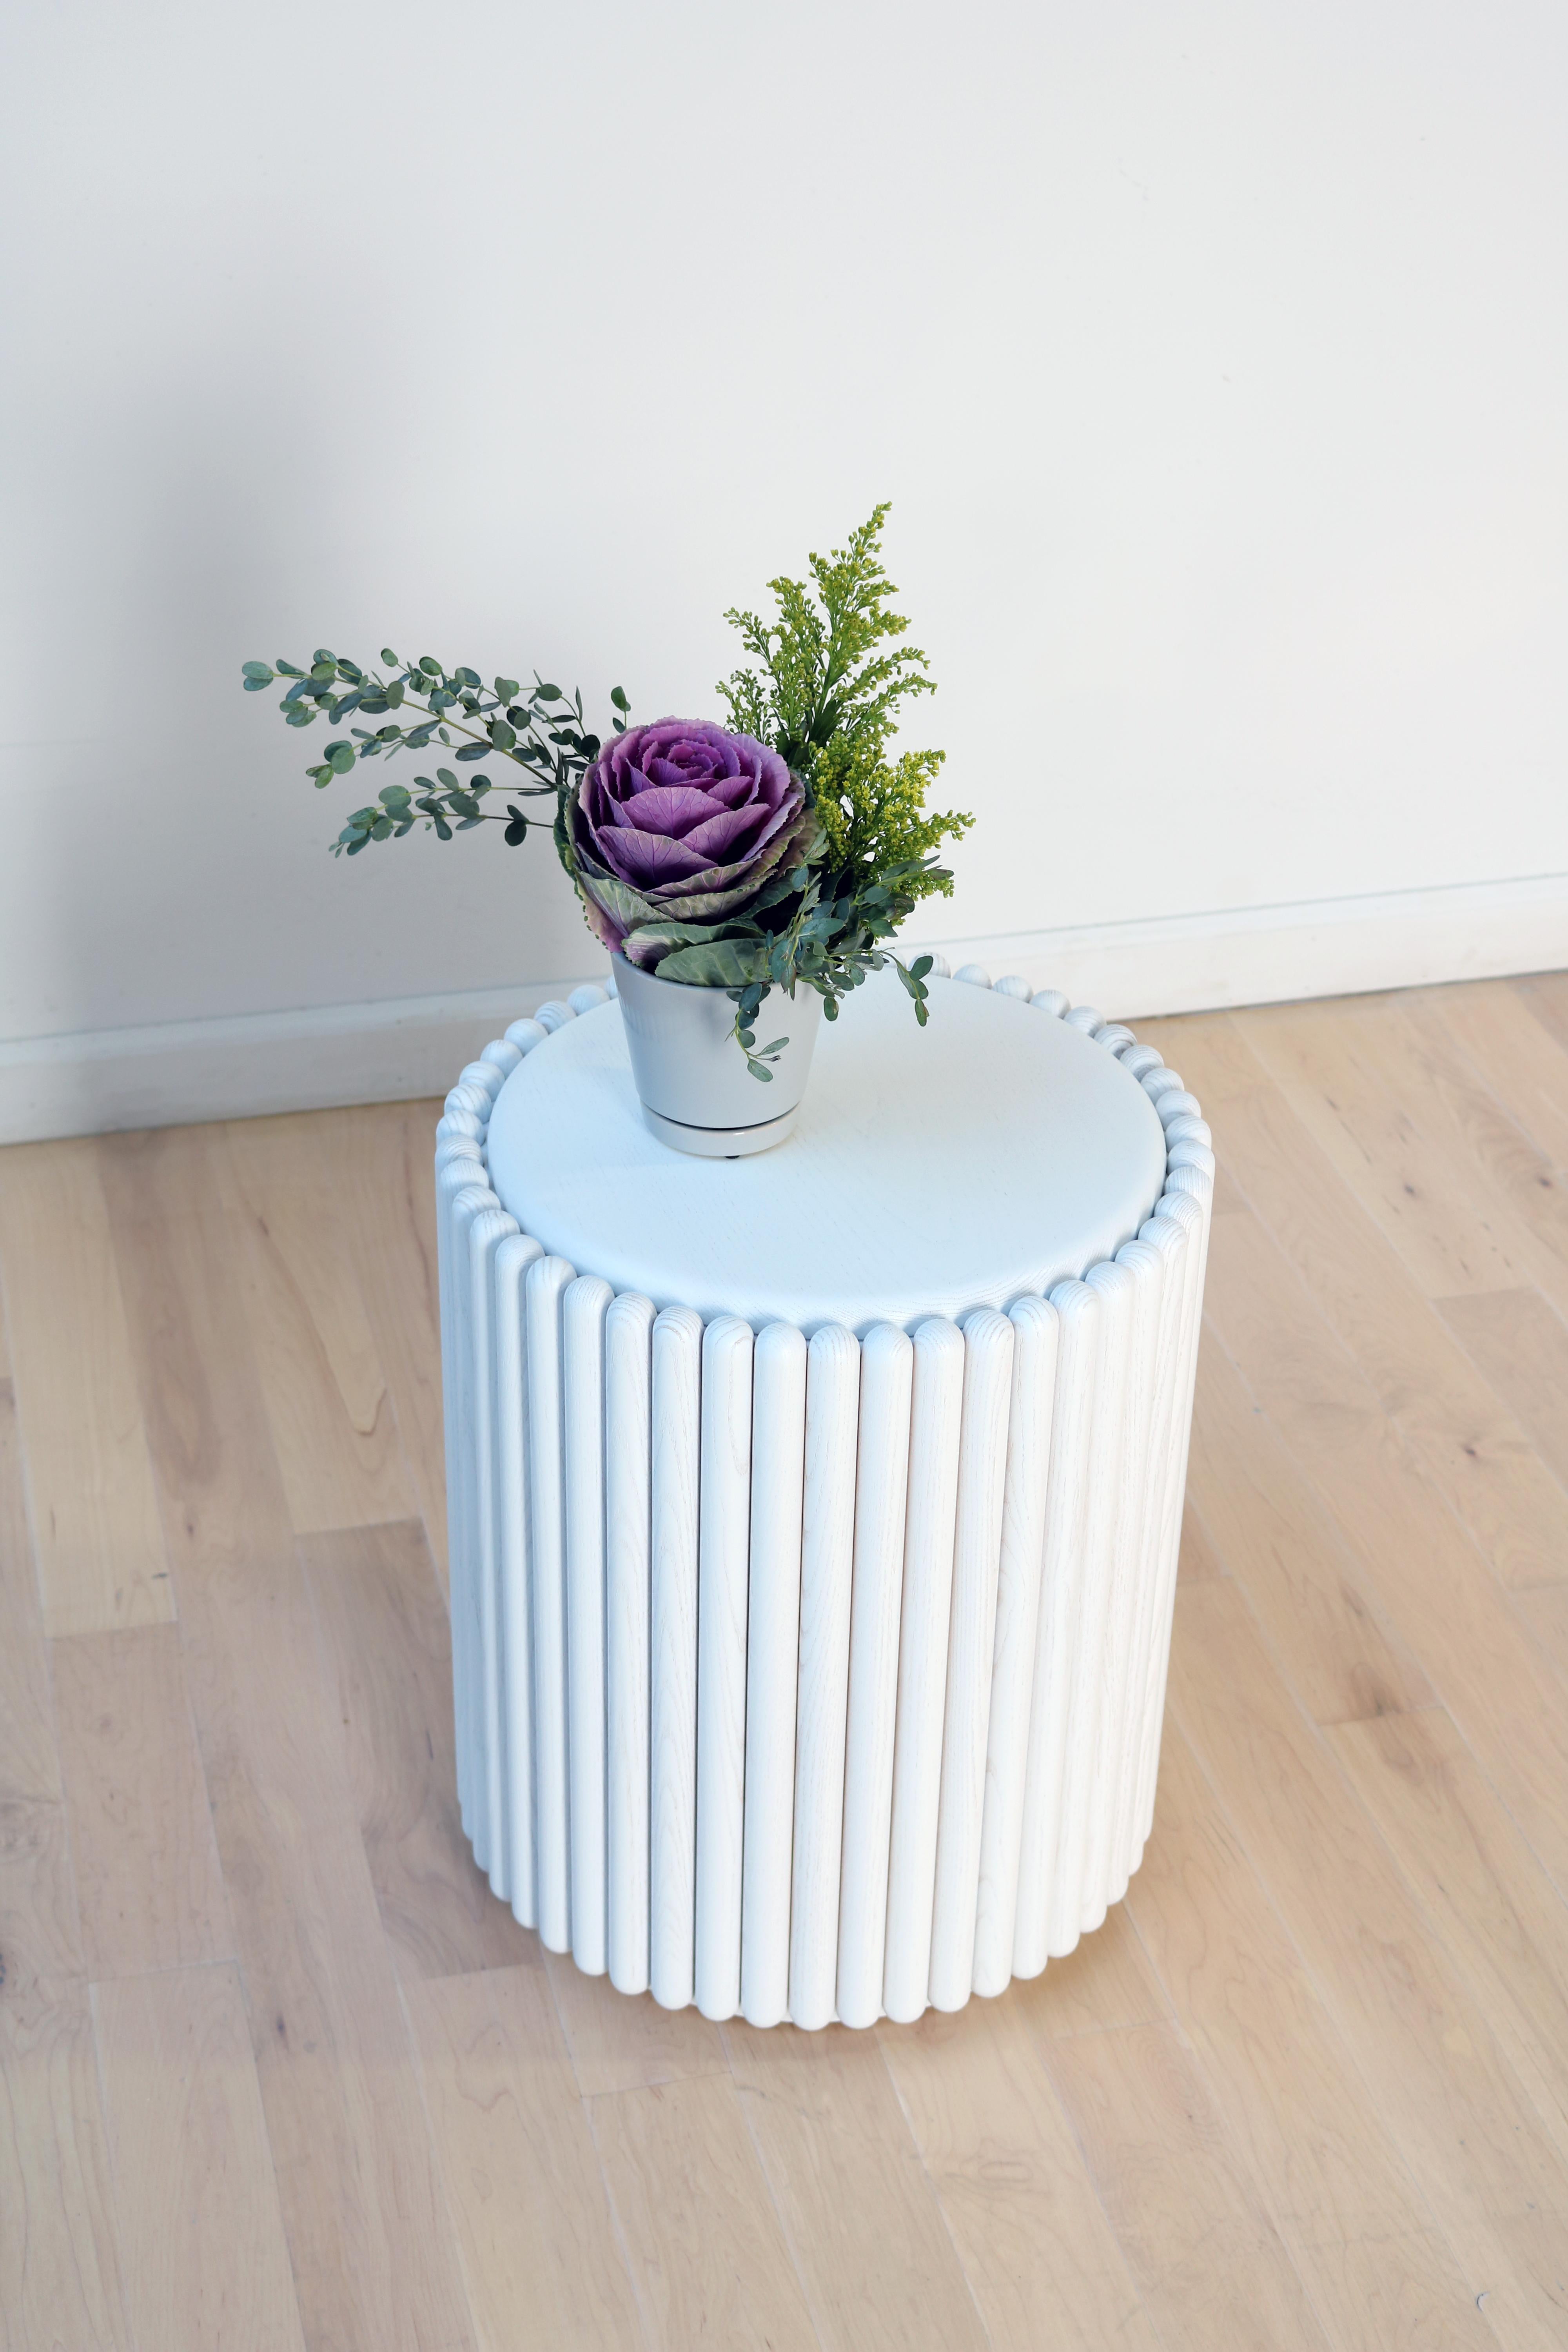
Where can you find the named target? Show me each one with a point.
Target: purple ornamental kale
(679, 822)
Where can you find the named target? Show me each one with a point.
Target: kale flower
(680, 823)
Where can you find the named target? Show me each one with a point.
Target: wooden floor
(279, 2071)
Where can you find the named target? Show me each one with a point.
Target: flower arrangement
(784, 850)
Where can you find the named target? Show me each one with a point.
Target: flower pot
(697, 1093)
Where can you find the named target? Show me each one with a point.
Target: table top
(993, 1153)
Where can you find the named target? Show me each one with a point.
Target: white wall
(1213, 357)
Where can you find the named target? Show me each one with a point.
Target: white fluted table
(814, 1516)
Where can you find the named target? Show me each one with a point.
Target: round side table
(814, 1517)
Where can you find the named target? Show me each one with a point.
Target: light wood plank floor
(279, 2072)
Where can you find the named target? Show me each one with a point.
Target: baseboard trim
(1315, 947)
(96, 1081)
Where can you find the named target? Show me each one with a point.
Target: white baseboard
(91, 1082)
(1265, 955)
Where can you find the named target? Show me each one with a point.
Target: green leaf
(464, 806)
(442, 830)
(394, 694)
(758, 1070)
(287, 669)
(388, 656)
(262, 670)
(324, 654)
(394, 796)
(548, 694)
(502, 736)
(921, 966)
(718, 963)
(474, 752)
(300, 716)
(372, 704)
(466, 676)
(515, 833)
(618, 696)
(382, 829)
(506, 689)
(446, 776)
(256, 685)
(666, 931)
(340, 757)
(429, 665)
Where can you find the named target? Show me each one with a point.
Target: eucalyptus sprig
(543, 733)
